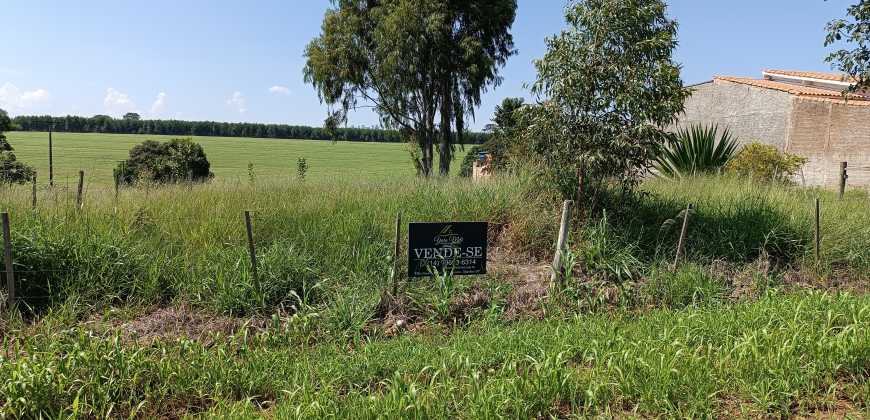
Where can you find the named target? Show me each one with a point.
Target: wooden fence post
(396, 249)
(844, 175)
(7, 260)
(79, 201)
(50, 158)
(681, 244)
(33, 193)
(818, 230)
(561, 241)
(117, 188)
(251, 249)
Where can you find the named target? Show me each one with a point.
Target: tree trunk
(445, 148)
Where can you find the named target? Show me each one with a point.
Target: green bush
(14, 172)
(172, 161)
(765, 163)
(11, 170)
(696, 150)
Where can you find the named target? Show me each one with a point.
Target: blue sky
(242, 61)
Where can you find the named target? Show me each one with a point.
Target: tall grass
(189, 243)
(324, 257)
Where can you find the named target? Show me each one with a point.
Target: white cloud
(118, 102)
(238, 102)
(280, 90)
(12, 98)
(159, 104)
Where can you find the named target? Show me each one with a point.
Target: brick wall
(752, 114)
(825, 132)
(828, 133)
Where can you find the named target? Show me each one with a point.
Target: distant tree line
(130, 125)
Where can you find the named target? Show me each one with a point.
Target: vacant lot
(149, 308)
(97, 154)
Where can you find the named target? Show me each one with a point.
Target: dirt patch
(530, 283)
(841, 278)
(172, 323)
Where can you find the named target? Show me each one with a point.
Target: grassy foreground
(98, 154)
(778, 356)
(750, 325)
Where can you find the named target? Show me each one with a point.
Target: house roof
(833, 77)
(794, 89)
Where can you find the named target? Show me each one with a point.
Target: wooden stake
(818, 232)
(682, 242)
(251, 249)
(117, 188)
(396, 249)
(561, 241)
(844, 175)
(7, 260)
(79, 202)
(33, 192)
(50, 158)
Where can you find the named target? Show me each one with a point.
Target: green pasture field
(97, 154)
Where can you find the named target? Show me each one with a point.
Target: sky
(228, 60)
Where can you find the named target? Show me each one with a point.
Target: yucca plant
(696, 150)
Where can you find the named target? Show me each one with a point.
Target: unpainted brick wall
(827, 133)
(752, 114)
(824, 132)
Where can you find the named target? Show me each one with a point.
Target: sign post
(455, 247)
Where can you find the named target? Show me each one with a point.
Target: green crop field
(98, 154)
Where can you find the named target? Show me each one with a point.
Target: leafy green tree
(172, 161)
(501, 137)
(853, 31)
(421, 64)
(607, 87)
(11, 170)
(5, 125)
(132, 116)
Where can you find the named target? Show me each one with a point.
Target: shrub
(14, 172)
(696, 150)
(178, 159)
(11, 170)
(766, 163)
(301, 168)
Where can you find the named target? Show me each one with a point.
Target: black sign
(457, 247)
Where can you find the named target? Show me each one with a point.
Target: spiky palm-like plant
(696, 150)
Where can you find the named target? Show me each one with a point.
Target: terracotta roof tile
(834, 77)
(791, 88)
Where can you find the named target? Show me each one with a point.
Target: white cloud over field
(238, 102)
(159, 105)
(279, 90)
(118, 102)
(14, 99)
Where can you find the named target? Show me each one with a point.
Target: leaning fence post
(79, 201)
(251, 249)
(396, 249)
(7, 260)
(681, 244)
(818, 230)
(561, 242)
(117, 188)
(844, 175)
(33, 192)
